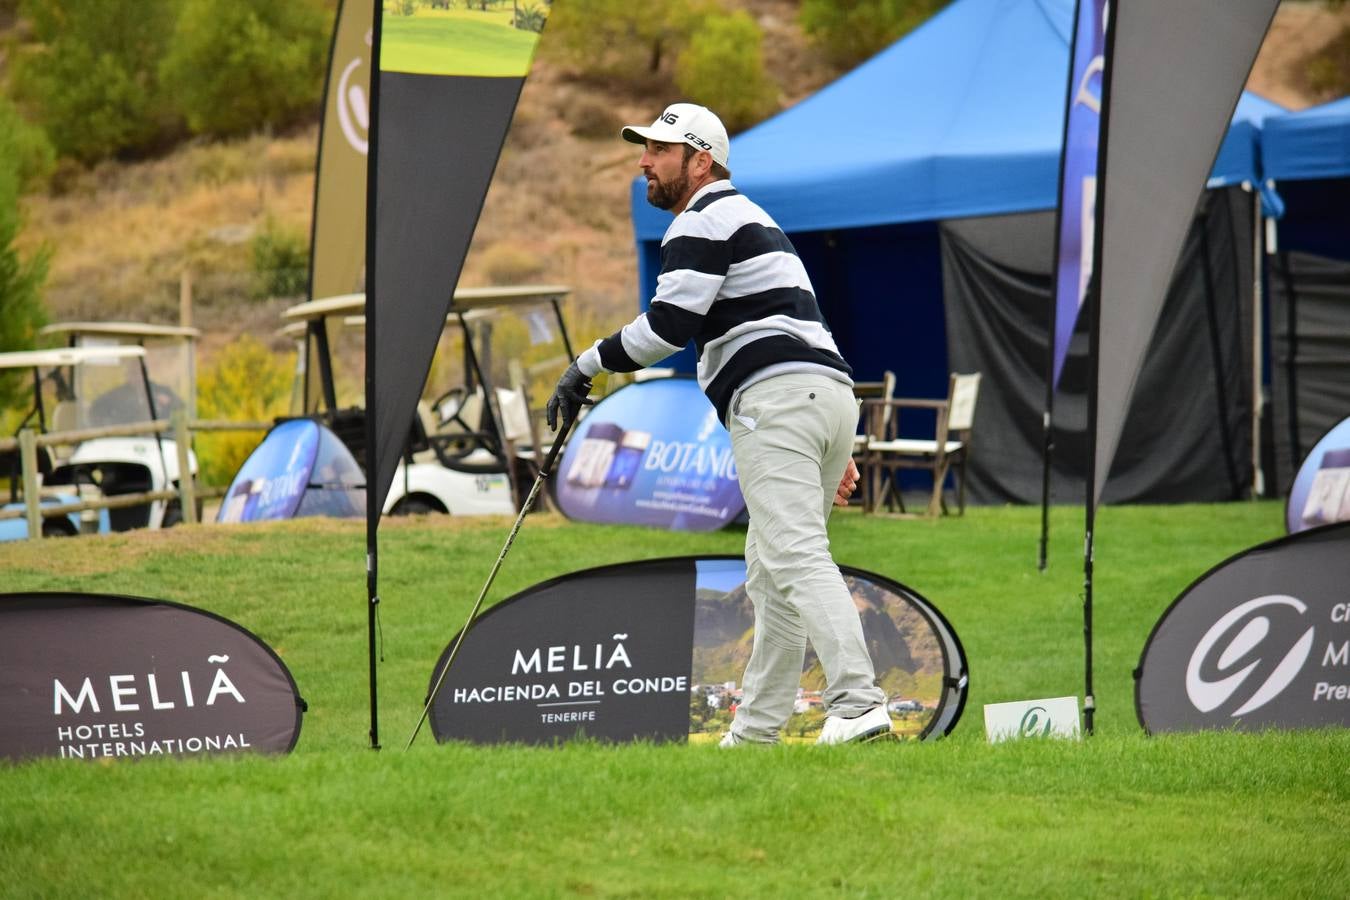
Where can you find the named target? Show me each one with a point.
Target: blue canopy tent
(1306, 156)
(962, 118)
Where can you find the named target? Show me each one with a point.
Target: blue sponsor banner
(652, 454)
(1321, 491)
(1078, 173)
(272, 481)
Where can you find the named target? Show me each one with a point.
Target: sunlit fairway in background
(456, 42)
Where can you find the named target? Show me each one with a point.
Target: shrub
(26, 148)
(280, 262)
(592, 117)
(530, 18)
(247, 383)
(849, 31)
(1327, 71)
(93, 83)
(507, 263)
(723, 69)
(240, 65)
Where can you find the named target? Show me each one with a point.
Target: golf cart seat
(11, 464)
(447, 432)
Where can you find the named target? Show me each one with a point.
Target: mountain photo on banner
(482, 43)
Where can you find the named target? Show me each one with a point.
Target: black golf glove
(569, 396)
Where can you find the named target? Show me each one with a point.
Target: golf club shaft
(510, 539)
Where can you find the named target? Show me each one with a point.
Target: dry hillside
(123, 235)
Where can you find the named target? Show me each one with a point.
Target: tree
(849, 31)
(723, 69)
(21, 309)
(240, 65)
(92, 81)
(620, 37)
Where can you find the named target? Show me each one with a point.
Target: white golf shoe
(873, 724)
(730, 740)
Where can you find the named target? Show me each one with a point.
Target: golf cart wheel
(173, 515)
(58, 526)
(415, 506)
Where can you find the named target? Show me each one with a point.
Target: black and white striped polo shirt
(730, 281)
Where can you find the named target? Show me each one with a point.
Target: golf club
(544, 471)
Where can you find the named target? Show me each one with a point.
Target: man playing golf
(731, 281)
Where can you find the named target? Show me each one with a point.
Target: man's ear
(704, 161)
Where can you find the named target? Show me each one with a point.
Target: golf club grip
(553, 451)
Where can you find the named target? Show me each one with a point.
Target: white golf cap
(685, 123)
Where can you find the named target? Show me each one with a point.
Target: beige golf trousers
(792, 436)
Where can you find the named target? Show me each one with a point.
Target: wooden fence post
(187, 488)
(32, 495)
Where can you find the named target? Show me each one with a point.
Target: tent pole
(1216, 351)
(1291, 362)
(1258, 304)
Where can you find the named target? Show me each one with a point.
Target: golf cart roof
(66, 356)
(466, 300)
(122, 329)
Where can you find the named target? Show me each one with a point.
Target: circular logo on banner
(352, 108)
(1226, 647)
(1223, 658)
(656, 650)
(651, 453)
(1320, 494)
(91, 676)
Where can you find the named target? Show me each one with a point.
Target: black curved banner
(1260, 641)
(92, 676)
(653, 650)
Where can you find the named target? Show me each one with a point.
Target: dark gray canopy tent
(919, 190)
(1306, 155)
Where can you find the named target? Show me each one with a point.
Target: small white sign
(1055, 717)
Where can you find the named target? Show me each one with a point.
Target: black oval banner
(1260, 641)
(653, 650)
(87, 676)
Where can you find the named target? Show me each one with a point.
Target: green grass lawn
(1119, 814)
(456, 42)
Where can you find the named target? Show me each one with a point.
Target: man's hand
(569, 396)
(847, 484)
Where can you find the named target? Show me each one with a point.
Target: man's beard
(665, 196)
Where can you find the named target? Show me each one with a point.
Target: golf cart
(165, 385)
(81, 391)
(469, 447)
